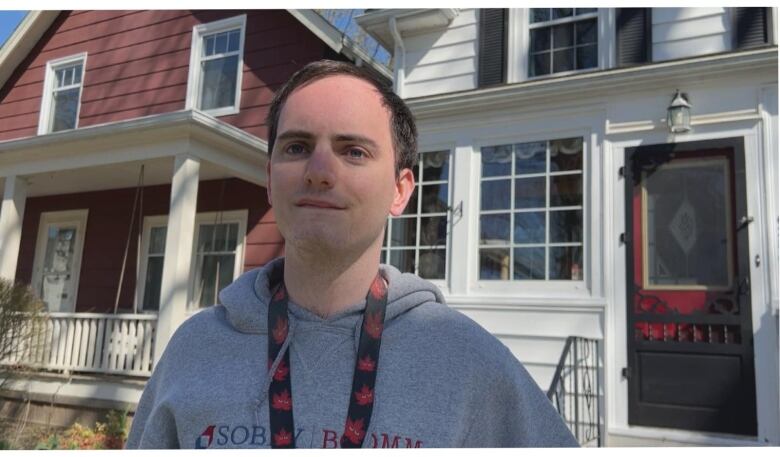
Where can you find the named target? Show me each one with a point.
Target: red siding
(108, 222)
(138, 62)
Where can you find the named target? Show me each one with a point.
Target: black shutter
(492, 46)
(751, 27)
(633, 36)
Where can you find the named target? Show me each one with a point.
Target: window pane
(220, 237)
(432, 263)
(206, 238)
(60, 77)
(404, 232)
(153, 284)
(558, 13)
(540, 39)
(232, 237)
(495, 194)
(530, 158)
(497, 160)
(494, 264)
(66, 105)
(214, 273)
(565, 226)
(494, 229)
(540, 14)
(433, 231)
(563, 60)
(219, 83)
(208, 46)
(233, 40)
(411, 206)
(540, 64)
(586, 56)
(566, 190)
(402, 259)
(585, 10)
(585, 31)
(530, 193)
(529, 228)
(566, 154)
(157, 240)
(436, 166)
(77, 74)
(529, 263)
(562, 36)
(221, 43)
(566, 262)
(434, 198)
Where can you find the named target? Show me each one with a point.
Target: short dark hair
(402, 126)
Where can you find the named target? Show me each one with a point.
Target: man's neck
(326, 287)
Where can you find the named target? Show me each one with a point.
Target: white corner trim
(21, 42)
(194, 77)
(45, 114)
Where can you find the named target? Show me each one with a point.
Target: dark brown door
(690, 339)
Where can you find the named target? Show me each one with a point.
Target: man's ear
(268, 177)
(404, 186)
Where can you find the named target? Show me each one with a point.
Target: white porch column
(175, 293)
(11, 216)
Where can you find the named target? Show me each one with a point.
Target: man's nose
(321, 168)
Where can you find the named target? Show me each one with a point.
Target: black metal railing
(575, 390)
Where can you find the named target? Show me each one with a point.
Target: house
(127, 138)
(610, 174)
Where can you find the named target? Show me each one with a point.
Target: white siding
(442, 60)
(686, 32)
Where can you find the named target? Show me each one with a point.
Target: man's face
(331, 177)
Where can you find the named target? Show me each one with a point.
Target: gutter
(400, 67)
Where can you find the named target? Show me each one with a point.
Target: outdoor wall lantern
(678, 115)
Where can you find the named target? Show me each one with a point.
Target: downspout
(400, 66)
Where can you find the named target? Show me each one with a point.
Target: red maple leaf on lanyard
(366, 364)
(377, 289)
(373, 325)
(282, 401)
(354, 430)
(281, 371)
(280, 330)
(365, 396)
(283, 438)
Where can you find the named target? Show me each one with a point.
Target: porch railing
(576, 392)
(90, 342)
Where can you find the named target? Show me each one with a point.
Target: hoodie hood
(246, 300)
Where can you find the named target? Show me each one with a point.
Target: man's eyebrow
(300, 134)
(348, 137)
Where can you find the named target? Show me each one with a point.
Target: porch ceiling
(109, 156)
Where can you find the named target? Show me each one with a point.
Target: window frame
(528, 288)
(417, 216)
(211, 217)
(195, 76)
(45, 118)
(519, 43)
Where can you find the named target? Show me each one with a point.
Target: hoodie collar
(246, 299)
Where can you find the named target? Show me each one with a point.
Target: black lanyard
(361, 399)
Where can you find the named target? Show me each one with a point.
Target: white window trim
(528, 288)
(518, 62)
(59, 217)
(45, 116)
(239, 216)
(194, 77)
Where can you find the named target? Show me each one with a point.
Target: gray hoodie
(442, 380)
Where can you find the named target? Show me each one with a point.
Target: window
(531, 211)
(562, 40)
(216, 64)
(61, 94)
(217, 257)
(416, 241)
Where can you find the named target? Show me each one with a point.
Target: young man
(326, 347)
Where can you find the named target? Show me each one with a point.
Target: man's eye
(355, 153)
(295, 149)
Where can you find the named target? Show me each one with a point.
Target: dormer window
(562, 40)
(62, 94)
(216, 64)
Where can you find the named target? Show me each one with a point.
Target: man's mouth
(317, 203)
